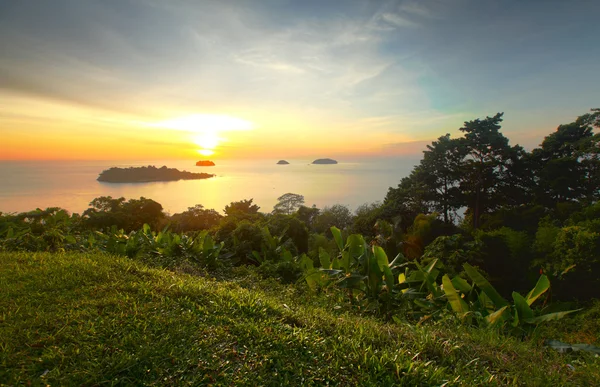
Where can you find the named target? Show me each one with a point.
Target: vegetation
(91, 318)
(149, 173)
(353, 287)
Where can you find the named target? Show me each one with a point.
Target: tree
(307, 215)
(337, 215)
(195, 218)
(486, 165)
(288, 203)
(243, 209)
(567, 164)
(440, 172)
(128, 215)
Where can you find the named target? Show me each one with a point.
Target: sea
(72, 185)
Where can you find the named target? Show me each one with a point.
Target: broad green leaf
(381, 257)
(493, 318)
(305, 263)
(540, 288)
(324, 258)
(523, 310)
(355, 244)
(344, 263)
(375, 275)
(286, 256)
(146, 228)
(337, 235)
(485, 286)
(550, 316)
(456, 302)
(335, 263)
(461, 285)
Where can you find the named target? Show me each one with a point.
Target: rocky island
(148, 174)
(324, 161)
(282, 162)
(205, 163)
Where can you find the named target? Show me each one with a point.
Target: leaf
(353, 281)
(522, 308)
(462, 285)
(374, 274)
(344, 263)
(456, 302)
(355, 245)
(568, 269)
(146, 228)
(324, 258)
(381, 257)
(337, 235)
(542, 285)
(550, 316)
(493, 318)
(484, 285)
(399, 259)
(286, 256)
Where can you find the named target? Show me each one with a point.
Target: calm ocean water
(26, 185)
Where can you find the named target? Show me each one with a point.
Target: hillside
(90, 319)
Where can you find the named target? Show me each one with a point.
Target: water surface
(26, 185)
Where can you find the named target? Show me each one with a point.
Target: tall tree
(440, 172)
(568, 163)
(288, 203)
(486, 165)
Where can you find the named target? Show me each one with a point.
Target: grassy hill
(94, 319)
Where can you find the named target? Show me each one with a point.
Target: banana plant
(481, 300)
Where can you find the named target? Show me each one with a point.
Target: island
(324, 161)
(205, 163)
(282, 162)
(148, 174)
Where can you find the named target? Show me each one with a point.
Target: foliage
(335, 216)
(243, 209)
(288, 203)
(194, 219)
(129, 215)
(365, 218)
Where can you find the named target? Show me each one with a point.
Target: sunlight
(205, 129)
(206, 152)
(200, 123)
(207, 140)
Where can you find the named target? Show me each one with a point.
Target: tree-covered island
(148, 174)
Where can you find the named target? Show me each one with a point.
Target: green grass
(93, 319)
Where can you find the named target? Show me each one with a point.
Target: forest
(483, 232)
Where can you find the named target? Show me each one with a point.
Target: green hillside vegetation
(481, 267)
(93, 319)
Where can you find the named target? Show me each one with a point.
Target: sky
(143, 79)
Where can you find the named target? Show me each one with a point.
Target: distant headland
(148, 174)
(205, 163)
(282, 162)
(324, 161)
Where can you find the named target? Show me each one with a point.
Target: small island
(282, 162)
(148, 174)
(324, 161)
(205, 163)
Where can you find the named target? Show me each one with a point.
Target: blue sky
(384, 74)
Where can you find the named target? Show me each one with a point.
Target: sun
(205, 129)
(206, 152)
